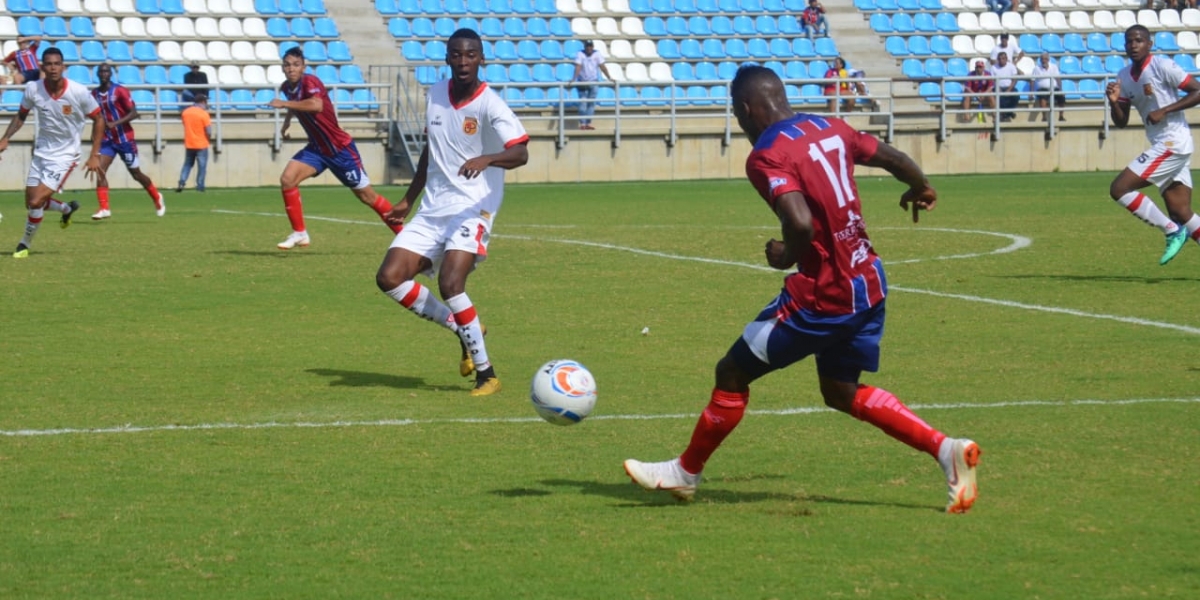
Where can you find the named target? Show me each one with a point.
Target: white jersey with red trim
(1157, 86)
(481, 124)
(60, 119)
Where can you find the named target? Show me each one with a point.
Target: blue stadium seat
(327, 74)
(1164, 41)
(145, 51)
(935, 67)
(946, 22)
(912, 68)
(923, 23)
(641, 7)
(882, 23)
(1185, 61)
(410, 7)
(1069, 65)
(826, 47)
(909, 5)
(775, 66)
(325, 27)
(172, 7)
(436, 50)
(865, 5)
(690, 49)
(551, 50)
(903, 23)
(719, 94)
(817, 68)
(79, 74)
(1118, 41)
(286, 45)
(1092, 65)
(545, 7)
(706, 71)
(795, 69)
(889, 5)
(426, 75)
(514, 27)
(453, 7)
(313, 7)
(505, 50)
(1071, 89)
(262, 97)
(1091, 89)
(69, 49)
(726, 69)
(144, 99)
(697, 95)
(954, 91)
(794, 95)
(628, 96)
(790, 25)
(1113, 63)
(412, 50)
(155, 75)
(399, 27)
(523, 7)
(811, 93)
(781, 48)
(477, 7)
(339, 51)
(941, 46)
(775, 6)
(520, 73)
(81, 27)
(422, 27)
(1052, 43)
(677, 26)
(1098, 42)
(302, 27)
(543, 73)
(1030, 44)
(765, 25)
(744, 25)
(29, 26)
(528, 50)
(535, 98)
(443, 27)
(736, 48)
(560, 27)
(386, 8)
(758, 48)
(751, 6)
(264, 7)
(495, 73)
(720, 24)
(698, 25)
(653, 96)
(20, 6)
(242, 100)
(895, 45)
(290, 7)
(685, 7)
(537, 27)
(930, 91)
(55, 27)
(654, 26)
(564, 72)
(500, 7)
(10, 100)
(118, 51)
(682, 71)
(803, 48)
(1073, 43)
(932, 5)
(314, 51)
(491, 27)
(128, 75)
(175, 74)
(729, 6)
(278, 28)
(957, 67)
(46, 7)
(669, 48)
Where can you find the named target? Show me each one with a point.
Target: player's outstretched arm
(920, 194)
(98, 126)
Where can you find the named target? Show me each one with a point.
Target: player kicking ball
(832, 307)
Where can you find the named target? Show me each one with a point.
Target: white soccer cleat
(958, 458)
(668, 476)
(160, 207)
(296, 238)
(102, 214)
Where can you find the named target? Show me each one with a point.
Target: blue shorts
(32, 75)
(845, 345)
(128, 151)
(346, 165)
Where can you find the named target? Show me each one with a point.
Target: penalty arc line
(807, 410)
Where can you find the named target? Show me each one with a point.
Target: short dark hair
(53, 52)
(465, 34)
(200, 97)
(294, 51)
(1142, 28)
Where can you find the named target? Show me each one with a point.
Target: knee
(838, 395)
(730, 377)
(1116, 190)
(387, 279)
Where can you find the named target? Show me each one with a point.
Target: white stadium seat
(121, 7)
(1080, 21)
(984, 43)
(952, 5)
(230, 28)
(1111, 3)
(1035, 21)
(621, 49)
(645, 48)
(266, 51)
(1012, 22)
(8, 27)
(630, 26)
(636, 72)
(182, 28)
(254, 27)
(582, 26)
(169, 51)
(592, 6)
(601, 47)
(107, 27)
(195, 7)
(95, 7)
(244, 8)
(968, 21)
(1188, 40)
(990, 21)
(1063, 3)
(1104, 20)
(1025, 65)
(206, 27)
(975, 5)
(133, 27)
(218, 51)
(254, 75)
(616, 71)
(229, 75)
(193, 50)
(621, 7)
(220, 7)
(1190, 18)
(660, 72)
(607, 27)
(1125, 19)
(9, 47)
(275, 74)
(1169, 18)
(1149, 18)
(70, 7)
(962, 44)
(566, 7)
(158, 28)
(1057, 21)
(242, 51)
(1088, 3)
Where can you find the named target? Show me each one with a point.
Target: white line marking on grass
(804, 410)
(1018, 242)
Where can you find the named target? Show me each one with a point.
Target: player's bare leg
(395, 278)
(377, 203)
(160, 207)
(1124, 190)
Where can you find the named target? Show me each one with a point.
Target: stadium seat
(171, 7)
(1092, 65)
(671, 50)
(736, 48)
(241, 50)
(924, 23)
(1101, 19)
(1052, 43)
(169, 51)
(69, 49)
(1030, 44)
(1169, 18)
(912, 68)
(903, 23)
(504, 50)
(386, 8)
(443, 27)
(338, 51)
(582, 26)
(399, 27)
(935, 67)
(1069, 65)
(326, 73)
(621, 49)
(1113, 63)
(206, 27)
(1188, 41)
(314, 51)
(324, 27)
(81, 27)
(940, 45)
(660, 71)
(118, 51)
(758, 48)
(930, 91)
(984, 43)
(1117, 41)
(1148, 18)
(1164, 41)
(1034, 21)
(94, 7)
(989, 21)
(826, 47)
(744, 26)
(1057, 21)
(957, 67)
(881, 23)
(946, 22)
(1185, 61)
(1091, 89)
(54, 27)
(781, 48)
(1190, 17)
(676, 26)
(789, 25)
(145, 51)
(1125, 19)
(1012, 22)
(968, 22)
(218, 51)
(963, 44)
(128, 75)
(494, 73)
(268, 51)
(918, 45)
(802, 47)
(645, 49)
(699, 26)
(721, 25)
(713, 48)
(795, 69)
(896, 46)
(251, 74)
(77, 73)
(1074, 44)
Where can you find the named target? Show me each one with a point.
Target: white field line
(806, 410)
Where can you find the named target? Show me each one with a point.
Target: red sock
(102, 197)
(382, 207)
(720, 417)
(153, 191)
(295, 211)
(883, 410)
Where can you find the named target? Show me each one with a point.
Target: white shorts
(432, 237)
(1161, 166)
(50, 173)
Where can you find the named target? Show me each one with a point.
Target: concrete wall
(591, 157)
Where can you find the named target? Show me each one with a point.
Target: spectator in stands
(589, 64)
(23, 62)
(861, 89)
(999, 6)
(194, 77)
(978, 93)
(1005, 73)
(1046, 87)
(813, 19)
(838, 86)
(197, 134)
(1034, 5)
(1006, 46)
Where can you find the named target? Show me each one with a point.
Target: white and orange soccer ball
(563, 392)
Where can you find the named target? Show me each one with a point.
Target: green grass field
(187, 412)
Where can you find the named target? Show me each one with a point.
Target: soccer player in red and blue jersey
(23, 61)
(329, 147)
(119, 113)
(832, 306)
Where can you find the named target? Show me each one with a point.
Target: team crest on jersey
(1146, 90)
(470, 125)
(778, 181)
(66, 109)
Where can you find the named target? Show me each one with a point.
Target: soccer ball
(563, 392)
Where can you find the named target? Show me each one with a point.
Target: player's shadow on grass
(1112, 278)
(636, 497)
(343, 378)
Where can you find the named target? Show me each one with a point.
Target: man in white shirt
(63, 106)
(473, 137)
(589, 64)
(1046, 87)
(1152, 85)
(1006, 46)
(1004, 72)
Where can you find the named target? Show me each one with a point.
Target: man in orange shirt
(197, 131)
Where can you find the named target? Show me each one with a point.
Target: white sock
(59, 206)
(469, 330)
(1193, 225)
(1145, 209)
(420, 301)
(31, 225)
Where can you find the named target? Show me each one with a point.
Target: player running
(832, 307)
(329, 147)
(62, 107)
(473, 137)
(1151, 84)
(119, 113)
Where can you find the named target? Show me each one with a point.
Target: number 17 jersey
(840, 273)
